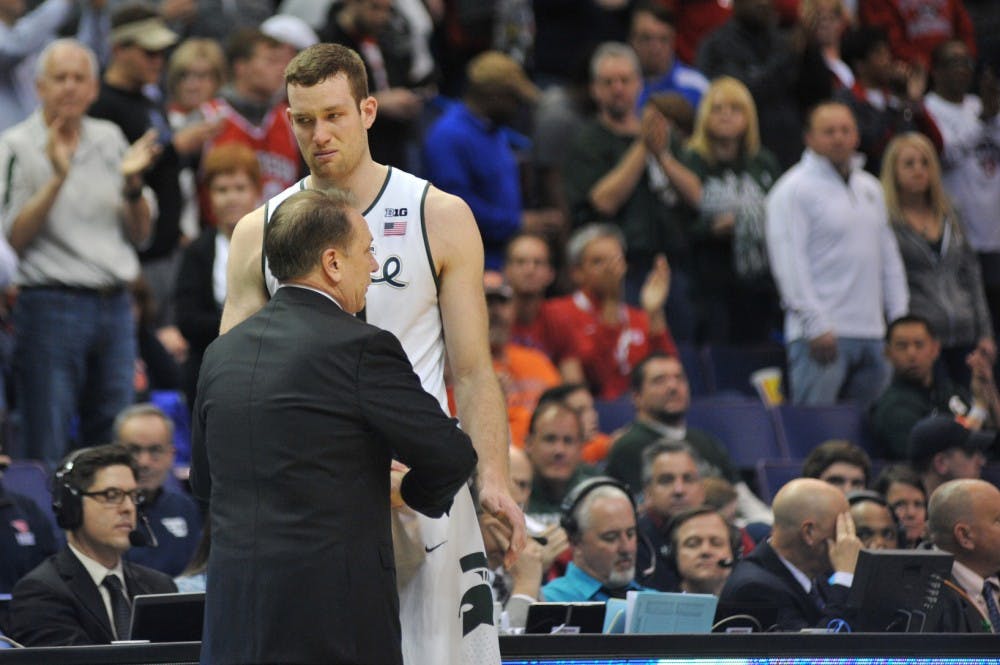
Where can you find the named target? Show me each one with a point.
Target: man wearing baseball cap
(942, 449)
(468, 152)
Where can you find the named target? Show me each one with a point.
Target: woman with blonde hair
(941, 269)
(737, 299)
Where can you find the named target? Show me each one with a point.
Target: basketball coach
(300, 410)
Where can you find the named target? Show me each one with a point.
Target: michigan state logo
(477, 603)
(389, 272)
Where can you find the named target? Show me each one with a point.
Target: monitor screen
(168, 617)
(897, 590)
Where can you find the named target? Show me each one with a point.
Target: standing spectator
(886, 95)
(916, 28)
(376, 30)
(139, 40)
(251, 113)
(73, 207)
(836, 264)
(695, 20)
(467, 152)
(942, 272)
(736, 297)
(592, 335)
(970, 127)
(824, 23)
(23, 36)
(195, 72)
(652, 35)
(232, 178)
(749, 47)
(622, 168)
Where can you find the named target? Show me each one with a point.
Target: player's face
(331, 127)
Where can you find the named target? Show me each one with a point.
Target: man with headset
(599, 518)
(702, 549)
(83, 593)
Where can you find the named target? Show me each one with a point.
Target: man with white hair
(599, 518)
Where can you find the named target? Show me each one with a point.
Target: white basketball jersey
(446, 609)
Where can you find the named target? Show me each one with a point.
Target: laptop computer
(167, 617)
(584, 617)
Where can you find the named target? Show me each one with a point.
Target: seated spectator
(554, 445)
(576, 396)
(524, 373)
(735, 293)
(703, 548)
(813, 536)
(918, 390)
(914, 29)
(886, 97)
(901, 487)
(599, 518)
(962, 520)
(661, 395)
(652, 36)
(174, 519)
(231, 175)
(27, 536)
(874, 523)
(81, 595)
(671, 484)
(841, 463)
(592, 335)
(467, 152)
(528, 269)
(942, 449)
(942, 272)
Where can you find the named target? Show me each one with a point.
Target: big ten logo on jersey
(389, 273)
(477, 602)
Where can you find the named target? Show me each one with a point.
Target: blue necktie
(816, 595)
(991, 605)
(120, 609)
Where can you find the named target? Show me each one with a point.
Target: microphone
(144, 538)
(727, 563)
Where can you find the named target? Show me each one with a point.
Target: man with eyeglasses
(173, 517)
(83, 593)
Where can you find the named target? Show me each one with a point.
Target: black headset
(67, 503)
(669, 550)
(576, 496)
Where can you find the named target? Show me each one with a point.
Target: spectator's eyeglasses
(114, 496)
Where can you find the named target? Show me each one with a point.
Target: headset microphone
(145, 537)
(726, 563)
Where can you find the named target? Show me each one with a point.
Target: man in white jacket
(836, 264)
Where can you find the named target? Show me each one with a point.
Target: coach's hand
(497, 501)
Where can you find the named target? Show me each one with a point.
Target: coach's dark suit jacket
(300, 409)
(761, 579)
(58, 604)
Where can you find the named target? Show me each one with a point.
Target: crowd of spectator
(647, 176)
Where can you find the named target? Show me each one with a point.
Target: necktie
(619, 592)
(989, 596)
(120, 610)
(816, 595)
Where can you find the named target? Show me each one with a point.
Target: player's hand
(843, 549)
(528, 569)
(396, 472)
(498, 502)
(723, 224)
(823, 349)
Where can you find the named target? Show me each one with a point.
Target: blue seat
(616, 413)
(772, 474)
(743, 425)
(174, 404)
(31, 478)
(693, 360)
(730, 367)
(805, 427)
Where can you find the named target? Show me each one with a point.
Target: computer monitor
(167, 617)
(897, 590)
(582, 617)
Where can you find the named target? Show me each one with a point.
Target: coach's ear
(331, 262)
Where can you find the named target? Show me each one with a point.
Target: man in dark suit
(813, 534)
(82, 594)
(964, 519)
(300, 409)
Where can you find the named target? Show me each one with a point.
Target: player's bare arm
(245, 290)
(457, 249)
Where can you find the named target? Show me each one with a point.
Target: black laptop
(167, 617)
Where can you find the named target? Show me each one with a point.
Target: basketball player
(429, 289)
